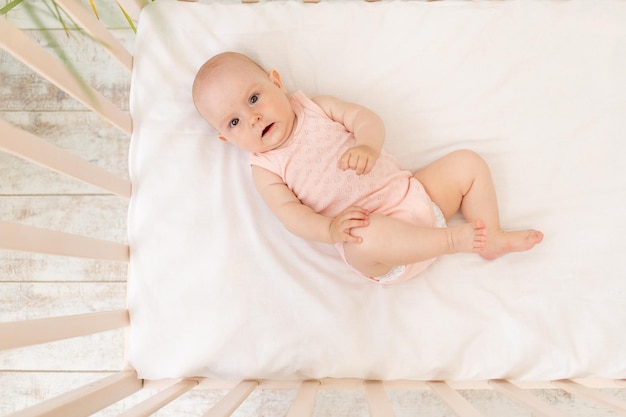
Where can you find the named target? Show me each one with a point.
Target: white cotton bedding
(219, 288)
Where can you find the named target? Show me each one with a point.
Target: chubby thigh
(404, 235)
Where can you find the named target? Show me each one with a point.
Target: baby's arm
(367, 127)
(301, 220)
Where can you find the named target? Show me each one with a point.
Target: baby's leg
(462, 180)
(388, 242)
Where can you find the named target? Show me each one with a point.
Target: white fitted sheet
(218, 288)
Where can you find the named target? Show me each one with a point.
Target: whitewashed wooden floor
(34, 286)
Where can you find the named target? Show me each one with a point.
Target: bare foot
(500, 243)
(468, 237)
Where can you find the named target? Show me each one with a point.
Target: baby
(318, 163)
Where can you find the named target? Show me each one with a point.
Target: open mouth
(267, 129)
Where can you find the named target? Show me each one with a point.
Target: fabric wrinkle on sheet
(308, 165)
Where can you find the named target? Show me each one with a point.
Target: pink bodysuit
(308, 165)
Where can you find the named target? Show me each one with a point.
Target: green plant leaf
(59, 17)
(128, 19)
(9, 6)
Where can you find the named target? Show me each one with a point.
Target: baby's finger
(348, 225)
(355, 212)
(344, 161)
(353, 163)
(363, 165)
(348, 238)
(368, 166)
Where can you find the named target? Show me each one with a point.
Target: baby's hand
(360, 158)
(341, 226)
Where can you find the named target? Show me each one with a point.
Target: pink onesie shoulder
(263, 161)
(307, 103)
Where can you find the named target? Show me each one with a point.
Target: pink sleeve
(263, 162)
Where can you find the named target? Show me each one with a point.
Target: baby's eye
(254, 98)
(234, 122)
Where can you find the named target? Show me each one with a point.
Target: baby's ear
(275, 78)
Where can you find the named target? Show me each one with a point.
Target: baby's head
(246, 105)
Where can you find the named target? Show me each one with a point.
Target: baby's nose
(255, 119)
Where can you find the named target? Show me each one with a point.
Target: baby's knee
(468, 156)
(375, 240)
(364, 256)
(471, 161)
(373, 231)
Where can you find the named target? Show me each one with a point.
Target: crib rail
(31, 148)
(103, 393)
(21, 335)
(87, 400)
(97, 30)
(457, 403)
(304, 402)
(161, 399)
(33, 239)
(26, 50)
(30, 332)
(600, 398)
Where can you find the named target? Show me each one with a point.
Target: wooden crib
(587, 397)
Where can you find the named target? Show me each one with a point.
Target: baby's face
(248, 107)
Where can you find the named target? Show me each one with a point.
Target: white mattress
(218, 288)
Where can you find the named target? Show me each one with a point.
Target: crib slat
(459, 405)
(88, 21)
(33, 239)
(232, 400)
(525, 399)
(377, 399)
(32, 332)
(27, 146)
(88, 399)
(304, 402)
(37, 58)
(600, 398)
(164, 397)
